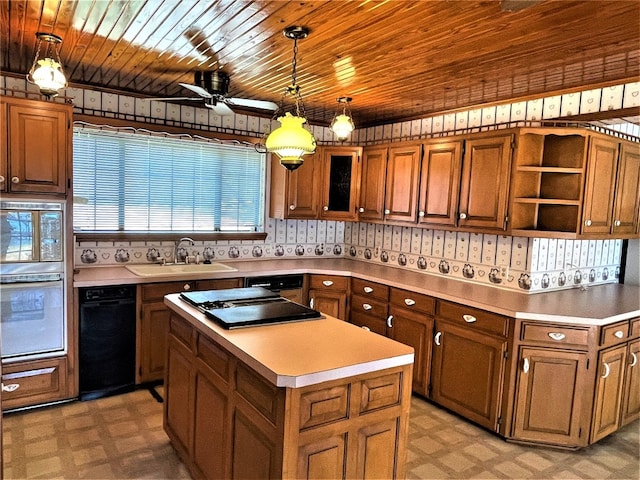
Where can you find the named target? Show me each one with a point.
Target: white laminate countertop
(597, 305)
(297, 354)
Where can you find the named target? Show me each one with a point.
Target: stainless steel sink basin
(157, 270)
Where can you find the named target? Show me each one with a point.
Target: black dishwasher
(107, 340)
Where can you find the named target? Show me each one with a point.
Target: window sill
(165, 236)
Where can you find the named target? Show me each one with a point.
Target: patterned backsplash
(525, 264)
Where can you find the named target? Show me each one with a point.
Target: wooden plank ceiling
(397, 59)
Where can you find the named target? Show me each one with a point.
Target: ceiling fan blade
(199, 90)
(220, 108)
(175, 98)
(261, 104)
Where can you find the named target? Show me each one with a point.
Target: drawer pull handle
(364, 327)
(635, 359)
(368, 289)
(619, 334)
(187, 286)
(607, 370)
(469, 318)
(436, 339)
(12, 387)
(366, 306)
(410, 302)
(525, 365)
(557, 336)
(327, 283)
(390, 321)
(311, 303)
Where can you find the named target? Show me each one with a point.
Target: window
(132, 182)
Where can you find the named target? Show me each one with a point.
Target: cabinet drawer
(214, 357)
(35, 382)
(552, 334)
(478, 319)
(332, 282)
(634, 330)
(413, 301)
(324, 406)
(218, 284)
(369, 289)
(612, 334)
(156, 291)
(181, 330)
(380, 392)
(369, 306)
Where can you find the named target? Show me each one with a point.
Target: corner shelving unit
(548, 182)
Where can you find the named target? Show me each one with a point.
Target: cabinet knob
(390, 321)
(421, 213)
(619, 334)
(12, 387)
(409, 302)
(361, 209)
(557, 336)
(325, 208)
(311, 303)
(186, 287)
(525, 365)
(607, 370)
(463, 216)
(15, 180)
(469, 318)
(366, 306)
(367, 289)
(587, 223)
(617, 223)
(327, 283)
(2, 178)
(635, 359)
(292, 207)
(387, 211)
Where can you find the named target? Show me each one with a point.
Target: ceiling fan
(213, 86)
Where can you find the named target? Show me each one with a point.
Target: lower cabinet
(153, 322)
(608, 396)
(630, 409)
(33, 382)
(328, 294)
(226, 421)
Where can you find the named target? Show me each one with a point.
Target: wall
(523, 264)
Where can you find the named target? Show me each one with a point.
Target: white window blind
(128, 182)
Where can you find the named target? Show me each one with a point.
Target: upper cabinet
(374, 172)
(340, 183)
(401, 186)
(294, 194)
(36, 151)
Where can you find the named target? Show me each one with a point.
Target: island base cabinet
(227, 421)
(549, 397)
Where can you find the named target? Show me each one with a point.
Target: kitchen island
(320, 398)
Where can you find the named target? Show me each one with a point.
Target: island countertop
(297, 354)
(598, 305)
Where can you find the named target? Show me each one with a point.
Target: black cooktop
(246, 307)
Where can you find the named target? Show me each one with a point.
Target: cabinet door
(178, 411)
(376, 455)
(3, 147)
(467, 373)
(401, 191)
(602, 161)
(414, 329)
(485, 182)
(294, 194)
(323, 458)
(627, 193)
(440, 183)
(329, 303)
(340, 185)
(374, 168)
(630, 409)
(38, 147)
(154, 326)
(608, 398)
(549, 396)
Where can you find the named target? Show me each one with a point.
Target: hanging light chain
(294, 62)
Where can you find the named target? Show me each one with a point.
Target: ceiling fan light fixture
(342, 124)
(291, 141)
(46, 70)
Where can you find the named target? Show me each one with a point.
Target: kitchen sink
(157, 270)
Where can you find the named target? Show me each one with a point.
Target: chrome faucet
(176, 258)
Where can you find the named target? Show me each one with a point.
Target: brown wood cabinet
(608, 393)
(440, 183)
(402, 181)
(328, 294)
(36, 152)
(340, 183)
(33, 382)
(226, 421)
(153, 323)
(294, 194)
(372, 184)
(630, 409)
(626, 207)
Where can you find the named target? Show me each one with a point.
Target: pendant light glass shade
(291, 141)
(46, 71)
(342, 125)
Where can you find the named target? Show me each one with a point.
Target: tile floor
(122, 437)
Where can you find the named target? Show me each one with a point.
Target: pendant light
(291, 140)
(342, 125)
(46, 70)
